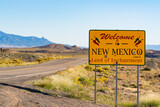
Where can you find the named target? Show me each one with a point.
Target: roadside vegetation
(150, 100)
(16, 59)
(78, 82)
(28, 56)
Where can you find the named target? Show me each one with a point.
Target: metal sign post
(116, 82)
(137, 86)
(95, 85)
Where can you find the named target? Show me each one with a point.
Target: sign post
(137, 86)
(116, 82)
(95, 84)
(123, 47)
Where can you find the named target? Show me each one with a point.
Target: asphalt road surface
(15, 93)
(39, 69)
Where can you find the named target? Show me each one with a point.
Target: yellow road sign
(124, 47)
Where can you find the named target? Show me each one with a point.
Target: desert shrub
(59, 72)
(105, 68)
(88, 68)
(79, 94)
(102, 89)
(56, 82)
(10, 61)
(99, 69)
(132, 85)
(44, 84)
(146, 69)
(84, 81)
(98, 65)
(44, 59)
(92, 81)
(102, 79)
(40, 59)
(17, 61)
(62, 83)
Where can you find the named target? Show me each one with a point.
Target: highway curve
(15, 93)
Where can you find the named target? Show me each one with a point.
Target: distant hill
(153, 59)
(153, 47)
(12, 40)
(152, 54)
(60, 47)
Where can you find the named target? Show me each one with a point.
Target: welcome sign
(117, 46)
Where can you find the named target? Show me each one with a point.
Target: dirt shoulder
(24, 96)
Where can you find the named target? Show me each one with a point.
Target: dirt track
(14, 93)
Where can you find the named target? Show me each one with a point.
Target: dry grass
(81, 78)
(74, 81)
(17, 59)
(56, 82)
(149, 100)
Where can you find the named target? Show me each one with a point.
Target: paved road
(15, 93)
(40, 69)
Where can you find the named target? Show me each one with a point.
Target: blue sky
(69, 21)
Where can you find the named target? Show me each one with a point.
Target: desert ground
(59, 76)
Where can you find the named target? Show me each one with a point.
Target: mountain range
(12, 40)
(153, 47)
